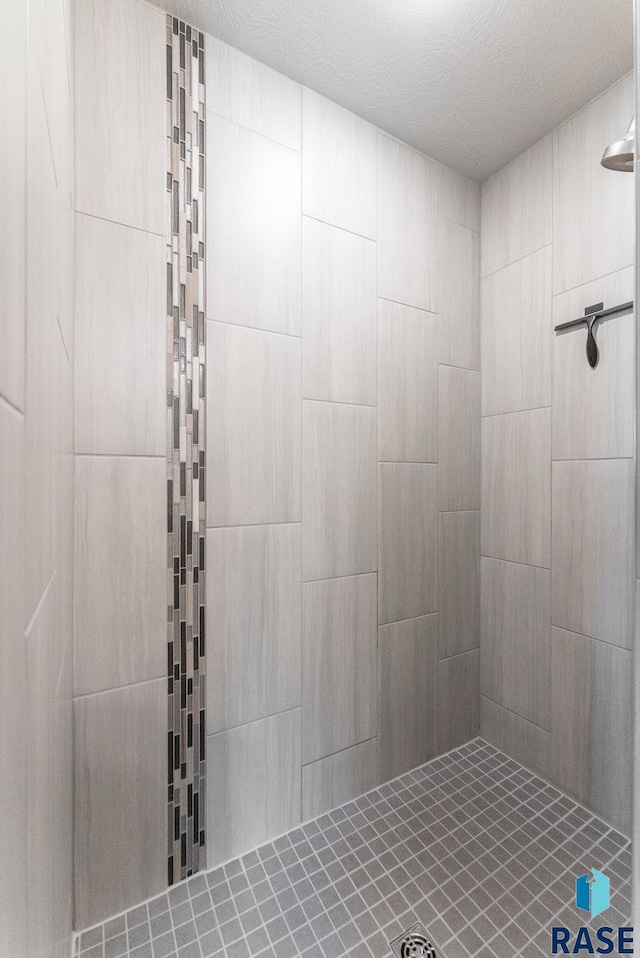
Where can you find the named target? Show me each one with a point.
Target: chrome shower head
(619, 156)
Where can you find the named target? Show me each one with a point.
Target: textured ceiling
(471, 82)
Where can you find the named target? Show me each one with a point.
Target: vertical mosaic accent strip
(185, 446)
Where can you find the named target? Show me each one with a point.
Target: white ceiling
(473, 83)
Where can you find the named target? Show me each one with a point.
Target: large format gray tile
(338, 664)
(338, 315)
(254, 794)
(516, 336)
(247, 92)
(339, 166)
(49, 747)
(593, 409)
(13, 115)
(253, 229)
(339, 499)
(516, 617)
(120, 799)
(591, 724)
(253, 431)
(459, 582)
(120, 572)
(458, 699)
(593, 221)
(13, 684)
(338, 778)
(459, 198)
(592, 560)
(407, 225)
(516, 208)
(408, 541)
(459, 439)
(120, 340)
(254, 600)
(407, 384)
(120, 59)
(48, 392)
(459, 299)
(408, 694)
(516, 487)
(523, 741)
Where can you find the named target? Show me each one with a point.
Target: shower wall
(36, 479)
(120, 645)
(343, 460)
(343, 437)
(557, 568)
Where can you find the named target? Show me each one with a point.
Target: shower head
(619, 156)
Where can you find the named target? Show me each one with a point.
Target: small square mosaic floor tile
(471, 847)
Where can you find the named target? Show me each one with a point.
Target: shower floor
(472, 845)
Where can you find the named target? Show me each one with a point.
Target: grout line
(250, 129)
(397, 302)
(340, 751)
(335, 226)
(532, 252)
(119, 688)
(255, 329)
(7, 402)
(129, 226)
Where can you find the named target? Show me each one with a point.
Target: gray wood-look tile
(13, 684)
(340, 494)
(459, 443)
(120, 799)
(408, 541)
(591, 724)
(119, 347)
(514, 735)
(516, 487)
(253, 430)
(516, 208)
(459, 299)
(338, 778)
(459, 198)
(593, 409)
(407, 225)
(459, 582)
(338, 315)
(592, 560)
(253, 229)
(247, 92)
(458, 699)
(516, 335)
(48, 388)
(254, 598)
(594, 212)
(13, 262)
(408, 695)
(339, 166)
(120, 153)
(255, 791)
(407, 384)
(339, 700)
(516, 625)
(120, 572)
(48, 716)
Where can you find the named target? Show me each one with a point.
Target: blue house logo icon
(592, 892)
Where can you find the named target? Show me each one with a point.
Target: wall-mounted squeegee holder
(591, 315)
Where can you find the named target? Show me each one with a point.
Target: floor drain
(413, 943)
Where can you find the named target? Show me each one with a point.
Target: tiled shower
(317, 583)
